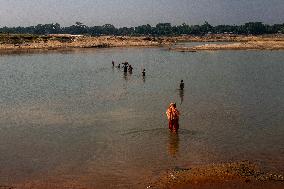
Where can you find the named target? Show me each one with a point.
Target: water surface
(70, 119)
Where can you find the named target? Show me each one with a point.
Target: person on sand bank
(173, 117)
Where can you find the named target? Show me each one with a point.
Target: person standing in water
(173, 117)
(143, 72)
(130, 68)
(125, 63)
(181, 85)
(125, 68)
(112, 63)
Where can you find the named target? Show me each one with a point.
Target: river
(68, 119)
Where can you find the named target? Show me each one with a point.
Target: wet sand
(235, 175)
(224, 175)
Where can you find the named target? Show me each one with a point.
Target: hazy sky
(138, 12)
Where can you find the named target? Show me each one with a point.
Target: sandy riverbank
(235, 175)
(50, 43)
(250, 45)
(22, 42)
(275, 42)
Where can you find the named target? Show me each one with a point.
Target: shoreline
(234, 175)
(69, 42)
(251, 45)
(228, 175)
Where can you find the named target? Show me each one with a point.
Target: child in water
(173, 117)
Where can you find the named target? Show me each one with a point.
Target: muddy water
(68, 119)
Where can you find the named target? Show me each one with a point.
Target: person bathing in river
(181, 85)
(143, 72)
(125, 68)
(125, 63)
(173, 117)
(130, 68)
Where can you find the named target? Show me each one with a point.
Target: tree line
(161, 29)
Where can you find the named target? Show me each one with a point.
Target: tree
(79, 23)
(144, 29)
(125, 31)
(109, 29)
(205, 28)
(160, 29)
(255, 28)
(164, 29)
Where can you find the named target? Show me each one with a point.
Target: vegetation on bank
(161, 29)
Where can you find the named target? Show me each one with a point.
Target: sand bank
(224, 175)
(273, 42)
(26, 42)
(81, 42)
(251, 45)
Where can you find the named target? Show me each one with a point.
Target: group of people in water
(127, 68)
(172, 111)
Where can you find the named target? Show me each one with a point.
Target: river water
(68, 119)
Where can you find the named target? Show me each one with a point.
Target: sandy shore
(275, 42)
(271, 42)
(250, 45)
(224, 175)
(234, 175)
(84, 42)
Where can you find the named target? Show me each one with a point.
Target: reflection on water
(125, 76)
(144, 79)
(181, 95)
(67, 117)
(173, 144)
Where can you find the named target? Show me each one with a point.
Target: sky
(138, 12)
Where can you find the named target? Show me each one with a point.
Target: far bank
(65, 41)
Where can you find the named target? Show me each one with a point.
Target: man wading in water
(173, 117)
(125, 66)
(181, 85)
